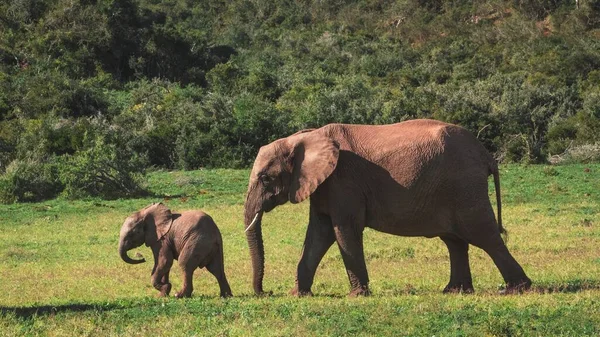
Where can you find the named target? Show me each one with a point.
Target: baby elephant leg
(215, 267)
(187, 267)
(160, 274)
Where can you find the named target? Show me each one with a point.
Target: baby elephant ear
(158, 222)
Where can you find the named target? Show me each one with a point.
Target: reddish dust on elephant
(415, 178)
(192, 238)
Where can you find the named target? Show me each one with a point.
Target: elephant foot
(516, 287)
(226, 294)
(459, 288)
(360, 291)
(300, 293)
(165, 289)
(183, 293)
(263, 293)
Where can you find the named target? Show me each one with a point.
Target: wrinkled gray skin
(191, 237)
(416, 178)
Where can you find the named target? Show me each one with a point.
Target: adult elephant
(415, 178)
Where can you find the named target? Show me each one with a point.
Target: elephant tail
(496, 173)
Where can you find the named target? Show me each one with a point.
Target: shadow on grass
(570, 286)
(30, 312)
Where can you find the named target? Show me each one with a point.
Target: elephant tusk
(252, 223)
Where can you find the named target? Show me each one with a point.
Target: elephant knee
(163, 287)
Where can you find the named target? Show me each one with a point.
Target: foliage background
(182, 84)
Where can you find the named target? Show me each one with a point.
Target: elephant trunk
(125, 257)
(253, 224)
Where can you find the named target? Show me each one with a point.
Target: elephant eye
(265, 179)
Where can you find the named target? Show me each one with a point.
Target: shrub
(537, 9)
(586, 153)
(153, 117)
(233, 130)
(582, 129)
(102, 165)
(104, 169)
(561, 135)
(197, 84)
(588, 119)
(29, 180)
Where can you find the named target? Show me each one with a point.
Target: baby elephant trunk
(126, 258)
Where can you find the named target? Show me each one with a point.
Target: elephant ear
(158, 220)
(314, 158)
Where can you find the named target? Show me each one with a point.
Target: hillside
(186, 84)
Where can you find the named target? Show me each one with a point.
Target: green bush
(100, 165)
(152, 116)
(561, 136)
(585, 153)
(232, 131)
(107, 170)
(579, 130)
(538, 9)
(29, 180)
(199, 84)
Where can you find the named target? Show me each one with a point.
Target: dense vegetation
(62, 274)
(187, 84)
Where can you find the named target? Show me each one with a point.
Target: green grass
(62, 276)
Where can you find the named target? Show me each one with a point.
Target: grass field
(61, 274)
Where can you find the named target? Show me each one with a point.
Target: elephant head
(146, 226)
(289, 169)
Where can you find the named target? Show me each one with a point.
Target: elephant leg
(160, 272)
(319, 237)
(216, 267)
(487, 237)
(513, 274)
(187, 264)
(192, 256)
(349, 237)
(460, 272)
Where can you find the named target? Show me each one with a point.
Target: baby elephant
(191, 237)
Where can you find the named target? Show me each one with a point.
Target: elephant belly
(423, 205)
(413, 218)
(426, 226)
